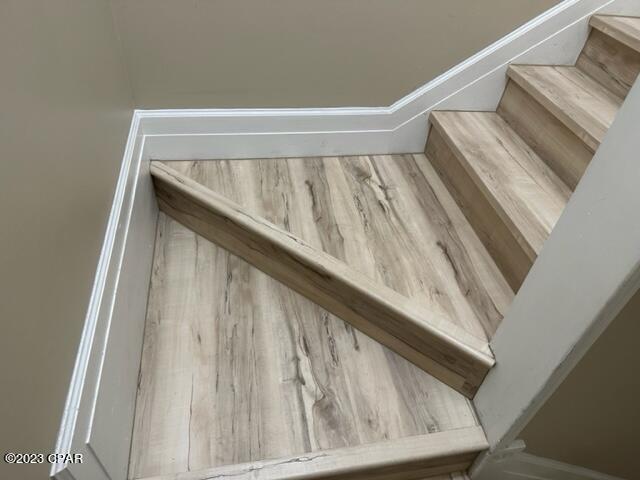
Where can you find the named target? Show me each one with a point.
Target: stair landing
(238, 368)
(388, 217)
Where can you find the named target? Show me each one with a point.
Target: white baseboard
(100, 404)
(514, 464)
(555, 37)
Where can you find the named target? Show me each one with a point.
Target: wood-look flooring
(625, 30)
(237, 367)
(611, 63)
(512, 171)
(585, 106)
(430, 341)
(388, 217)
(409, 458)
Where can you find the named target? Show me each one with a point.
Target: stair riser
(611, 63)
(559, 147)
(498, 239)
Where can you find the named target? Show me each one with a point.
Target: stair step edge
(625, 30)
(585, 121)
(530, 242)
(418, 456)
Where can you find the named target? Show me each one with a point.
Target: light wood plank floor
(236, 367)
(390, 217)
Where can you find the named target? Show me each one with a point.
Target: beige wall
(593, 419)
(302, 53)
(65, 110)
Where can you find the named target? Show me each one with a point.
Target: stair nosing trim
(450, 450)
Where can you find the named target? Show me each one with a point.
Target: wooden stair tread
(582, 104)
(424, 337)
(611, 62)
(524, 191)
(412, 457)
(624, 29)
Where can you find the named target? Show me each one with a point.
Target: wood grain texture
(611, 63)
(388, 217)
(495, 235)
(429, 340)
(403, 459)
(582, 104)
(624, 29)
(514, 182)
(236, 368)
(558, 146)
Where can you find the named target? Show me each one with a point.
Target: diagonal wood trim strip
(433, 343)
(407, 458)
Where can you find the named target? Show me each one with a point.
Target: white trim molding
(98, 415)
(514, 464)
(554, 37)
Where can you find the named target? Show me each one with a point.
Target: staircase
(331, 317)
